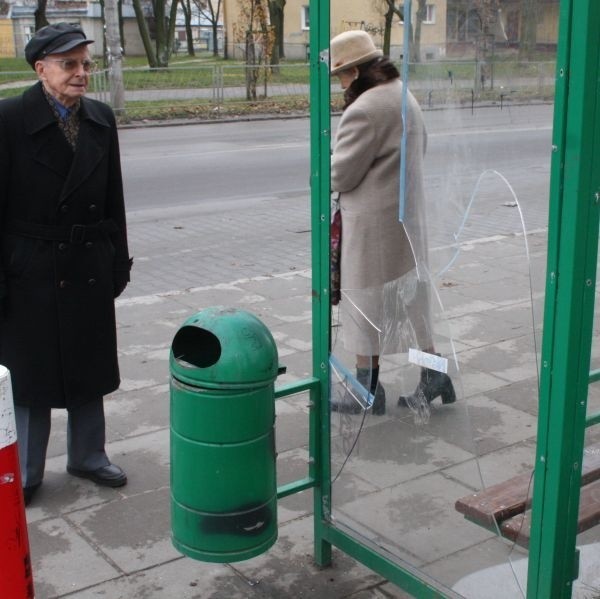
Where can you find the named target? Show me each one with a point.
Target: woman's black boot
(368, 378)
(363, 375)
(432, 385)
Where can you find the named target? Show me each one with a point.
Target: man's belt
(68, 233)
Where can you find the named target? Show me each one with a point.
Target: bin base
(223, 558)
(229, 536)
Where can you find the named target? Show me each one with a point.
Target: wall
(7, 40)
(346, 14)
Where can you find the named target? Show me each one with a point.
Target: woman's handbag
(335, 254)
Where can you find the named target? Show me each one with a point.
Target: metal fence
(217, 91)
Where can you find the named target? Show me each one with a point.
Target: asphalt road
(220, 161)
(211, 203)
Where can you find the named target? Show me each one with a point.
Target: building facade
(18, 25)
(450, 27)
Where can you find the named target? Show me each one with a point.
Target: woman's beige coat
(377, 249)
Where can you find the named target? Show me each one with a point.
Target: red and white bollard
(15, 561)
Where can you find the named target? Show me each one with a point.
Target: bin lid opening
(194, 346)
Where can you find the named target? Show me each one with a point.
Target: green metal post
(320, 133)
(570, 294)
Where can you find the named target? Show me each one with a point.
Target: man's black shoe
(106, 476)
(29, 492)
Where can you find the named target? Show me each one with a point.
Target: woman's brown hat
(350, 49)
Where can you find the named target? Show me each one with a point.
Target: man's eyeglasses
(72, 64)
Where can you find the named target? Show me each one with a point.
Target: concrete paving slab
(288, 568)
(494, 467)
(394, 452)
(200, 298)
(512, 359)
(182, 578)
(292, 427)
(484, 328)
(522, 395)
(467, 272)
(417, 517)
(384, 591)
(455, 304)
(298, 364)
(296, 283)
(471, 383)
(495, 551)
(142, 519)
(146, 310)
(479, 425)
(291, 310)
(400, 483)
(516, 290)
(65, 561)
(500, 582)
(137, 412)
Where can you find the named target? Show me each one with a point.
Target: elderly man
(63, 257)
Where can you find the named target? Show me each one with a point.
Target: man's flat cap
(54, 39)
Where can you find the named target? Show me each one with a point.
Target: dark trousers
(85, 439)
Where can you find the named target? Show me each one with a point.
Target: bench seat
(505, 507)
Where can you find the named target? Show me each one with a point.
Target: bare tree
(254, 31)
(164, 30)
(211, 11)
(389, 9)
(395, 8)
(186, 7)
(487, 11)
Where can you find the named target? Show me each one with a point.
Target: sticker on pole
(8, 427)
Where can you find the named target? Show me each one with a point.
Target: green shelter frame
(568, 317)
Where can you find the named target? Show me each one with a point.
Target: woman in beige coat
(378, 250)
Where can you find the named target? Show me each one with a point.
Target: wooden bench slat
(496, 503)
(511, 497)
(518, 528)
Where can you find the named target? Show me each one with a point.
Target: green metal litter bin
(223, 366)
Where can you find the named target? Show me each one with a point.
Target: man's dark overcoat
(58, 281)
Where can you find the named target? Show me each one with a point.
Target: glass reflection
(436, 337)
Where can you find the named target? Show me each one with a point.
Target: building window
(305, 18)
(462, 24)
(430, 14)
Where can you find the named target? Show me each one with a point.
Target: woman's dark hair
(370, 74)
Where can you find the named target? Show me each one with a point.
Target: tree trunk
(121, 26)
(145, 34)
(215, 30)
(113, 47)
(186, 7)
(251, 70)
(171, 29)
(161, 41)
(276, 15)
(390, 10)
(40, 14)
(104, 43)
(387, 29)
(528, 29)
(421, 16)
(211, 14)
(215, 36)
